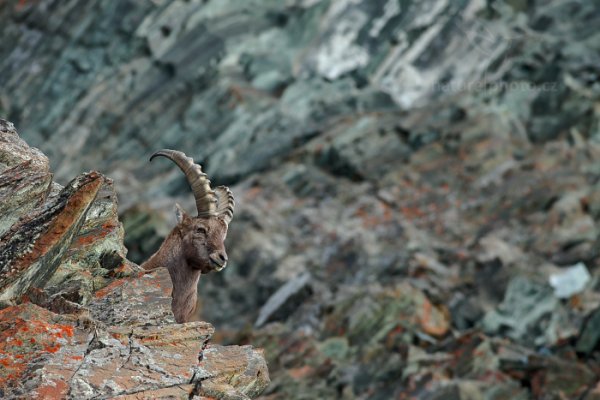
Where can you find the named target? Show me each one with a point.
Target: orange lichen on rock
(65, 329)
(28, 332)
(412, 212)
(109, 288)
(96, 234)
(371, 219)
(52, 348)
(85, 240)
(433, 319)
(54, 389)
(301, 372)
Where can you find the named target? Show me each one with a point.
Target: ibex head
(203, 236)
(203, 241)
(197, 244)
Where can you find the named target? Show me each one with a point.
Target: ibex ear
(180, 214)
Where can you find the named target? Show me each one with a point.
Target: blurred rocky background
(418, 182)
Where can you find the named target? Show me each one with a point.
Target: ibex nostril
(219, 258)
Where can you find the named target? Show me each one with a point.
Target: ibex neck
(169, 253)
(184, 278)
(185, 292)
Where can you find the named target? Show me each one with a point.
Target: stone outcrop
(79, 320)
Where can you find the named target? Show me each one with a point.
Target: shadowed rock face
(101, 327)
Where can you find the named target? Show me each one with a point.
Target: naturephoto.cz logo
(492, 44)
(482, 85)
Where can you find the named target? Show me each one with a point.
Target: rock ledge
(100, 327)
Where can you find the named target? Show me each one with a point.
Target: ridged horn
(226, 203)
(206, 200)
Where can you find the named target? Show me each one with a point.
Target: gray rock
(525, 314)
(570, 282)
(590, 334)
(285, 300)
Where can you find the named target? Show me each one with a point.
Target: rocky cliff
(100, 327)
(243, 86)
(417, 181)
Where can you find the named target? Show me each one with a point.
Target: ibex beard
(196, 245)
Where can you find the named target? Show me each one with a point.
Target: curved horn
(226, 203)
(206, 200)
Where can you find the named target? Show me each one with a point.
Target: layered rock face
(411, 176)
(242, 86)
(100, 328)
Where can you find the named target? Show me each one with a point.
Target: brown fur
(195, 246)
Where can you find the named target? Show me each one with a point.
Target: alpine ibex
(196, 245)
